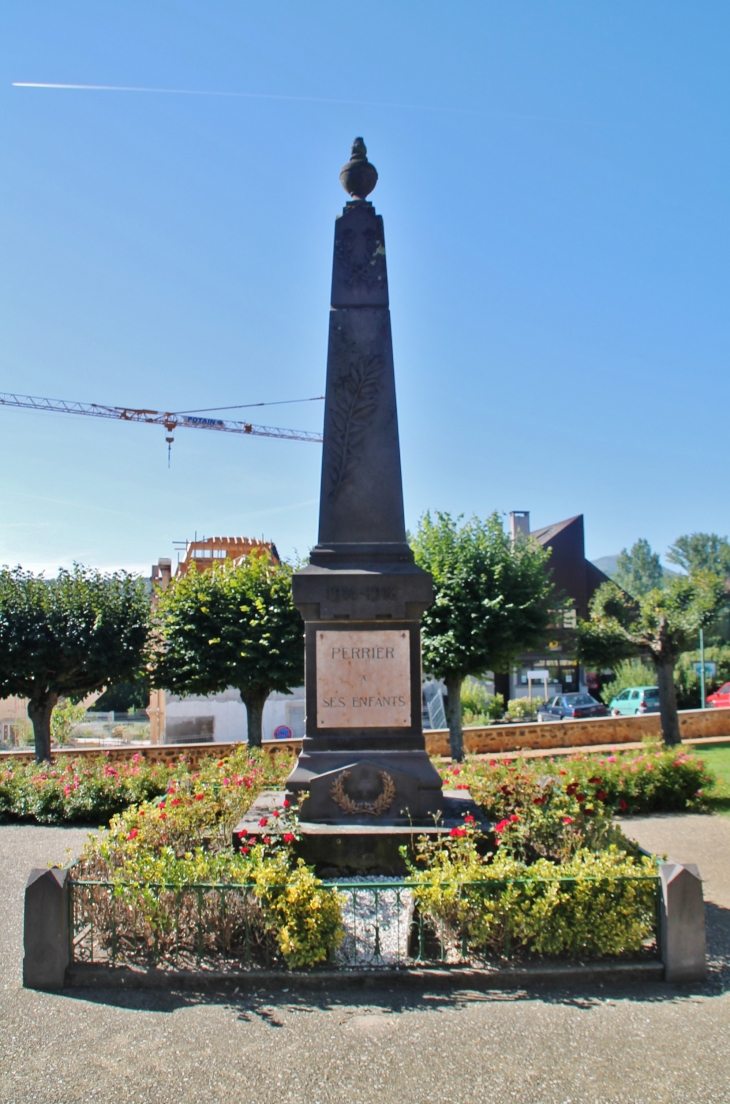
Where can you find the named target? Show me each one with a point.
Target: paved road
(652, 1044)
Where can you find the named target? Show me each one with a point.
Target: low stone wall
(693, 724)
(158, 753)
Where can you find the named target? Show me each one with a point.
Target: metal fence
(224, 926)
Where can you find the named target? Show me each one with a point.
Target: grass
(717, 757)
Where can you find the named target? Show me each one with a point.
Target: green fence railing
(225, 926)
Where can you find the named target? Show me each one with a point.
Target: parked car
(569, 706)
(721, 698)
(636, 699)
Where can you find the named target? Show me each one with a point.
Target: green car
(637, 699)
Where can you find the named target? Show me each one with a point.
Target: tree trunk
(39, 711)
(668, 701)
(254, 703)
(453, 716)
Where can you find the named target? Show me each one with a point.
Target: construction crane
(170, 420)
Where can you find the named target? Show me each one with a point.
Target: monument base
(350, 850)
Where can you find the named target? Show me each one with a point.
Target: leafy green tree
(701, 552)
(627, 673)
(657, 626)
(68, 636)
(492, 601)
(232, 625)
(638, 571)
(133, 694)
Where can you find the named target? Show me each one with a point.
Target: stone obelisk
(363, 762)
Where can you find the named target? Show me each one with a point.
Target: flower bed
(164, 886)
(584, 789)
(92, 790)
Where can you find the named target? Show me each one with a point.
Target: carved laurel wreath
(372, 808)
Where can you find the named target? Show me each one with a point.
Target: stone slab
(363, 678)
(418, 977)
(337, 850)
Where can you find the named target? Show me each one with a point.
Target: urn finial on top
(358, 177)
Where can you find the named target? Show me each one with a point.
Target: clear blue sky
(554, 182)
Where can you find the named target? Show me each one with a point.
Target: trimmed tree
(68, 636)
(658, 626)
(233, 625)
(492, 601)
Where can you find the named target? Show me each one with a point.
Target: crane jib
(169, 420)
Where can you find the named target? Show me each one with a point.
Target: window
(623, 696)
(635, 694)
(652, 694)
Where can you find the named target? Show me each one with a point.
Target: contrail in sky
(274, 96)
(238, 95)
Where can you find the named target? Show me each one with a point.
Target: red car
(721, 698)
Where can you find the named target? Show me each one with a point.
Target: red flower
(163, 816)
(539, 801)
(581, 798)
(176, 801)
(567, 820)
(219, 763)
(571, 788)
(275, 813)
(267, 839)
(595, 781)
(562, 772)
(622, 804)
(601, 795)
(200, 797)
(289, 837)
(133, 834)
(245, 850)
(462, 786)
(457, 833)
(500, 827)
(469, 819)
(589, 810)
(243, 832)
(263, 822)
(514, 818)
(285, 803)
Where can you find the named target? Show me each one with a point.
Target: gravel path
(652, 1044)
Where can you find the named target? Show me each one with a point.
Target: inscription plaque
(364, 679)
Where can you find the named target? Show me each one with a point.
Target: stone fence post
(682, 923)
(46, 929)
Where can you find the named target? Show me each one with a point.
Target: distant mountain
(607, 564)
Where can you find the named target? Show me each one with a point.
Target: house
(575, 578)
(217, 718)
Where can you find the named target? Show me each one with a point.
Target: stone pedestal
(363, 763)
(350, 847)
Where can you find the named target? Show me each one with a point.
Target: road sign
(283, 732)
(710, 668)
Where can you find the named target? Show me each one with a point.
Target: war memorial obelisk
(363, 765)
